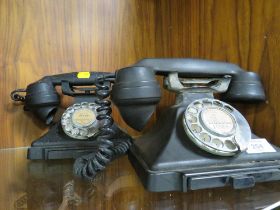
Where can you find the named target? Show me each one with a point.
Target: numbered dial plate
(79, 120)
(216, 127)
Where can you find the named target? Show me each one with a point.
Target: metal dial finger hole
(205, 137)
(63, 115)
(217, 103)
(92, 105)
(84, 104)
(207, 103)
(228, 108)
(191, 118)
(198, 105)
(68, 127)
(67, 115)
(83, 132)
(75, 131)
(195, 128)
(230, 145)
(64, 122)
(192, 110)
(70, 110)
(218, 143)
(76, 106)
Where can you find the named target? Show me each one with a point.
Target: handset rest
(245, 86)
(75, 78)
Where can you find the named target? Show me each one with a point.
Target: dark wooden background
(42, 37)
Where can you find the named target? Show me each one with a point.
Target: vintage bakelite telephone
(200, 142)
(85, 131)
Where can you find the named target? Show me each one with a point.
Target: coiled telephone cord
(109, 147)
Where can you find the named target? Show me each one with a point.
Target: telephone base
(167, 160)
(53, 152)
(56, 145)
(239, 176)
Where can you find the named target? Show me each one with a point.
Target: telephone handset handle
(190, 67)
(245, 86)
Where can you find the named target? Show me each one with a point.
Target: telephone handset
(200, 142)
(136, 88)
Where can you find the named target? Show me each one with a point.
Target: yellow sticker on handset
(83, 75)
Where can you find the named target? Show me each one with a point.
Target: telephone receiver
(43, 99)
(136, 91)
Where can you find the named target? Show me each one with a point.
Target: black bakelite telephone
(200, 142)
(86, 131)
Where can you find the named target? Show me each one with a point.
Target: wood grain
(241, 32)
(42, 37)
(47, 37)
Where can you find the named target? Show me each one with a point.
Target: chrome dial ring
(79, 120)
(216, 127)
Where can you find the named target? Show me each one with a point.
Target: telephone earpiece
(245, 87)
(42, 99)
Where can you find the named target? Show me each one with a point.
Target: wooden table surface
(50, 185)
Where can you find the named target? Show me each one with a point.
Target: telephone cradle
(199, 142)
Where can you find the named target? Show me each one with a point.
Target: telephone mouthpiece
(136, 93)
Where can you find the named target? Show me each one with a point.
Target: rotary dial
(216, 127)
(79, 120)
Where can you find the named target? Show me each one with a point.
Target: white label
(218, 121)
(259, 146)
(83, 117)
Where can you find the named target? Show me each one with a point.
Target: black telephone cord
(109, 147)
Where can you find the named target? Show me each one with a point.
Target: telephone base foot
(239, 176)
(56, 145)
(61, 152)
